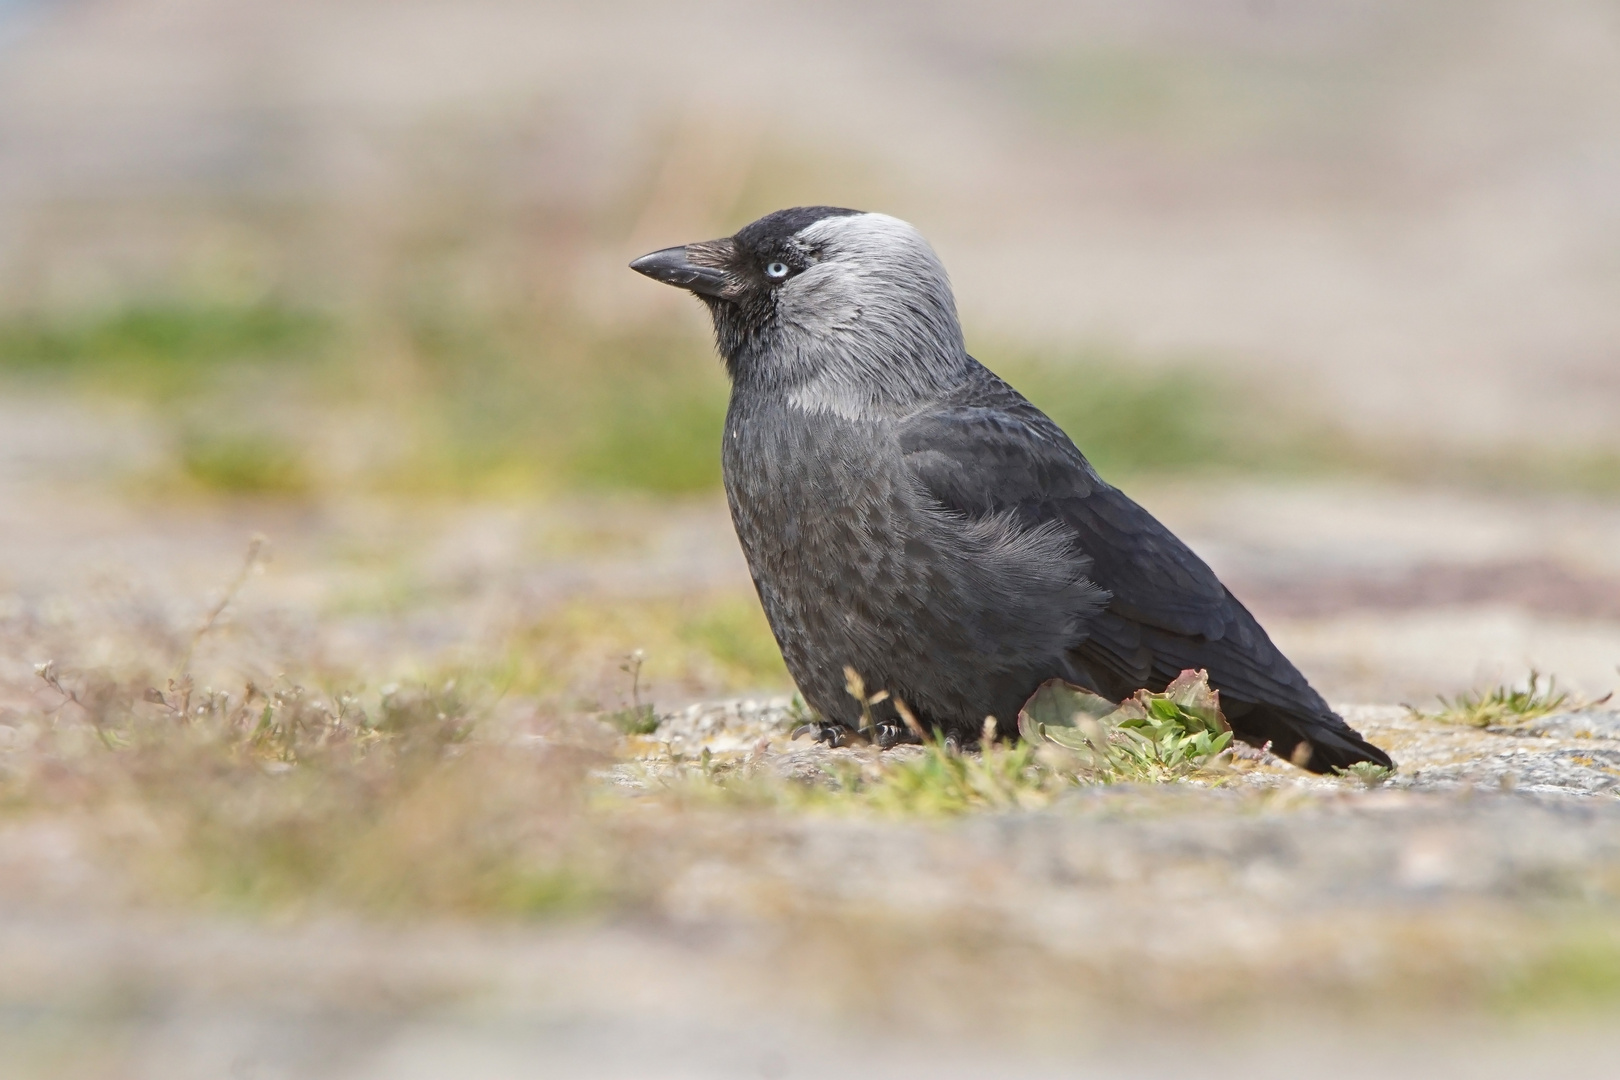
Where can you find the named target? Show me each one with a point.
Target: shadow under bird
(907, 514)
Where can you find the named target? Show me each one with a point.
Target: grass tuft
(1502, 704)
(1367, 773)
(1069, 737)
(942, 780)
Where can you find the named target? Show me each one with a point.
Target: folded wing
(988, 451)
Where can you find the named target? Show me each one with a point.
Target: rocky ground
(1565, 753)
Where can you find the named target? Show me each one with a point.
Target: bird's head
(838, 309)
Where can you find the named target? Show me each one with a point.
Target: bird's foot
(887, 733)
(825, 731)
(883, 734)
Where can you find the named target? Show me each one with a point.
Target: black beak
(674, 266)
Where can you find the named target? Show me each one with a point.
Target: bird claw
(887, 733)
(834, 735)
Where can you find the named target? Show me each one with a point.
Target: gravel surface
(1572, 753)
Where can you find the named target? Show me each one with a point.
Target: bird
(916, 527)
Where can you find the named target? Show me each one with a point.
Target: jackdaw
(907, 514)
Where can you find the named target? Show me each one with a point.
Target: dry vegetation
(1509, 704)
(859, 899)
(459, 798)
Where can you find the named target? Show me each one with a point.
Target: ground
(1448, 915)
(277, 889)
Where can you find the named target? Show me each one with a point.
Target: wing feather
(988, 451)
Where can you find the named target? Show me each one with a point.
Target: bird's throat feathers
(867, 328)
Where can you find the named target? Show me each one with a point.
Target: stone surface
(1573, 753)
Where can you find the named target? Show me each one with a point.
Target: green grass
(1578, 971)
(1149, 738)
(559, 404)
(1500, 705)
(161, 347)
(1067, 738)
(244, 464)
(1366, 773)
(1128, 421)
(535, 399)
(943, 781)
(938, 779)
(700, 644)
(1130, 417)
(733, 631)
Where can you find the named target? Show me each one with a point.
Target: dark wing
(987, 451)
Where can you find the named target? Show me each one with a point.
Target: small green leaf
(1059, 704)
(1150, 737)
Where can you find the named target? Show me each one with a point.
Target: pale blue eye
(777, 270)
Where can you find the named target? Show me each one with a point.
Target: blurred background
(321, 366)
(1330, 286)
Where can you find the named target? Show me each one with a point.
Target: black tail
(1320, 742)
